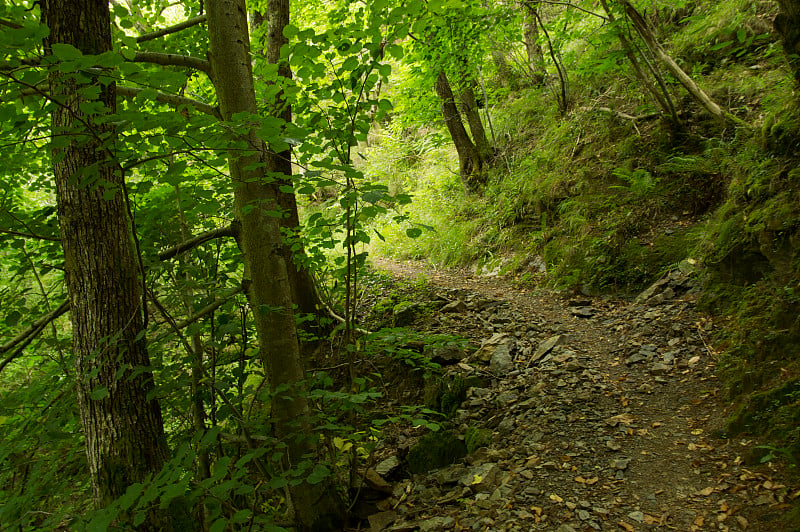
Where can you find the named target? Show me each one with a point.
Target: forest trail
(604, 415)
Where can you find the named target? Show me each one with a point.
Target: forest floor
(601, 414)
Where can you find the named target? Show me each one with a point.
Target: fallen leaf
(742, 521)
(699, 520)
(697, 432)
(705, 492)
(656, 424)
(580, 480)
(625, 419)
(537, 510)
(650, 520)
(556, 498)
(592, 481)
(723, 506)
(626, 526)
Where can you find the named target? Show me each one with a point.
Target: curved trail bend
(616, 426)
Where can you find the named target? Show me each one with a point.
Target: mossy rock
(445, 394)
(435, 450)
(405, 313)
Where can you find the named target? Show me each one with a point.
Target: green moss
(445, 394)
(435, 450)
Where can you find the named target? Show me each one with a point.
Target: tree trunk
(279, 164)
(123, 428)
(470, 109)
(787, 23)
(266, 270)
(530, 35)
(469, 159)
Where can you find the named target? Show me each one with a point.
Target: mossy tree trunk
(122, 423)
(469, 158)
(788, 25)
(266, 268)
(469, 106)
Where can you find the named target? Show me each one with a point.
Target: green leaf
(13, 318)
(319, 474)
(100, 392)
(395, 50)
(277, 483)
(65, 52)
(741, 35)
(413, 232)
(219, 525)
(130, 496)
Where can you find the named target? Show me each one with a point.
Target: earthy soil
(619, 425)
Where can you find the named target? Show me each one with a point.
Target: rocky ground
(595, 414)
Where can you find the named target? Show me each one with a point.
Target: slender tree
(279, 163)
(469, 158)
(121, 419)
(266, 269)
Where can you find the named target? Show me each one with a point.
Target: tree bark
(266, 269)
(469, 159)
(279, 164)
(530, 35)
(122, 425)
(470, 109)
(787, 23)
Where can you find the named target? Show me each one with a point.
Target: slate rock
(488, 347)
(545, 347)
(660, 369)
(457, 306)
(446, 355)
(381, 520)
(501, 360)
(436, 524)
(387, 466)
(482, 479)
(583, 312)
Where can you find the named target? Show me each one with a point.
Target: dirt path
(617, 426)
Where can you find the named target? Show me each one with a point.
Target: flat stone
(501, 361)
(545, 347)
(455, 306)
(620, 464)
(634, 358)
(379, 521)
(660, 369)
(385, 467)
(435, 524)
(583, 312)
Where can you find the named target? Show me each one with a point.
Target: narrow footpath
(603, 415)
